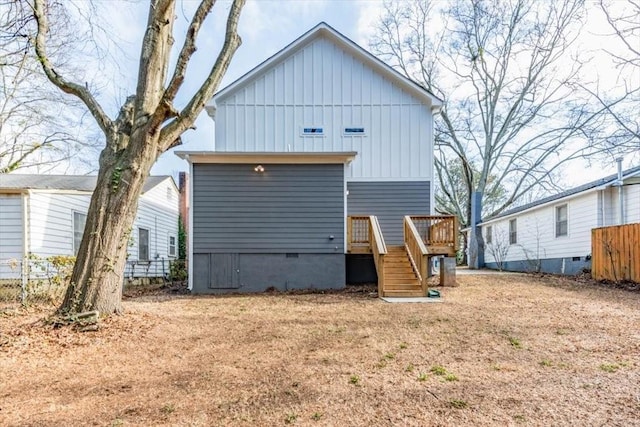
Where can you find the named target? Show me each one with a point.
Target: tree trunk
(97, 278)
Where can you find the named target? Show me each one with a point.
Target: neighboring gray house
(44, 215)
(553, 234)
(320, 131)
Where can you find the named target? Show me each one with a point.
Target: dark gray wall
(549, 265)
(259, 272)
(390, 202)
(253, 231)
(288, 208)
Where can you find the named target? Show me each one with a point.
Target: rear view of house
(317, 136)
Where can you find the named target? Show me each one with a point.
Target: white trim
(235, 157)
(321, 134)
(175, 246)
(555, 221)
(354, 134)
(148, 244)
(73, 230)
(190, 229)
(345, 194)
(389, 179)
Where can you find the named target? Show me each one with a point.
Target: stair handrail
(379, 250)
(417, 252)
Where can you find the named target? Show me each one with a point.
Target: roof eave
(324, 29)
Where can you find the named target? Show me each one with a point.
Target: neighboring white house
(553, 234)
(44, 215)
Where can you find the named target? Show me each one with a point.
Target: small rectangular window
(489, 234)
(79, 221)
(312, 131)
(513, 231)
(562, 221)
(143, 244)
(353, 131)
(172, 246)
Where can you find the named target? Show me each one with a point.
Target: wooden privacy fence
(615, 253)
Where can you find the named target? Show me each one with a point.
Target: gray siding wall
(288, 208)
(390, 201)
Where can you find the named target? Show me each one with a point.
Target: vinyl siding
(390, 202)
(536, 231)
(631, 205)
(51, 221)
(10, 235)
(158, 213)
(288, 208)
(51, 224)
(321, 85)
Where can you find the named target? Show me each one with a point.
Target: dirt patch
(499, 350)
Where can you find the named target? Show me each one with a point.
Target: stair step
(402, 286)
(392, 293)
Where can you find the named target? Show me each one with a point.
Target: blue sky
(266, 26)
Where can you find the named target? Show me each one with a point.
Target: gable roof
(601, 183)
(84, 183)
(328, 32)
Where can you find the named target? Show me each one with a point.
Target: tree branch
(81, 92)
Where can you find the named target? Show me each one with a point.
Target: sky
(266, 26)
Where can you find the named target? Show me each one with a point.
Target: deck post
(448, 271)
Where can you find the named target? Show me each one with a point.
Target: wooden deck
(403, 270)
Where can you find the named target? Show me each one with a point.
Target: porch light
(259, 169)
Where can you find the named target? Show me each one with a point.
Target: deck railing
(379, 250)
(364, 235)
(438, 232)
(417, 252)
(358, 234)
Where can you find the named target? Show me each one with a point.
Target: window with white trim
(143, 244)
(562, 221)
(173, 246)
(488, 237)
(79, 222)
(513, 231)
(353, 131)
(312, 131)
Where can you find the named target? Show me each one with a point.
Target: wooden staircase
(403, 270)
(399, 278)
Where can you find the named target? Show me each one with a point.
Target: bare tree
(35, 131)
(147, 125)
(511, 116)
(621, 132)
(499, 247)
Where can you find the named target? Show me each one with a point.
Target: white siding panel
(321, 85)
(51, 222)
(632, 208)
(10, 235)
(536, 232)
(158, 213)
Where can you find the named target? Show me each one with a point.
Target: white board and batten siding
(325, 86)
(536, 231)
(11, 231)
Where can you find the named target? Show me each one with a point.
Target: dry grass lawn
(500, 350)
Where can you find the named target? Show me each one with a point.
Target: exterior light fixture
(259, 169)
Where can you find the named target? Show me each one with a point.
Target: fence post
(24, 276)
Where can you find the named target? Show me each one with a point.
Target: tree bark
(96, 281)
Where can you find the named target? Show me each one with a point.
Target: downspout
(620, 192)
(25, 243)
